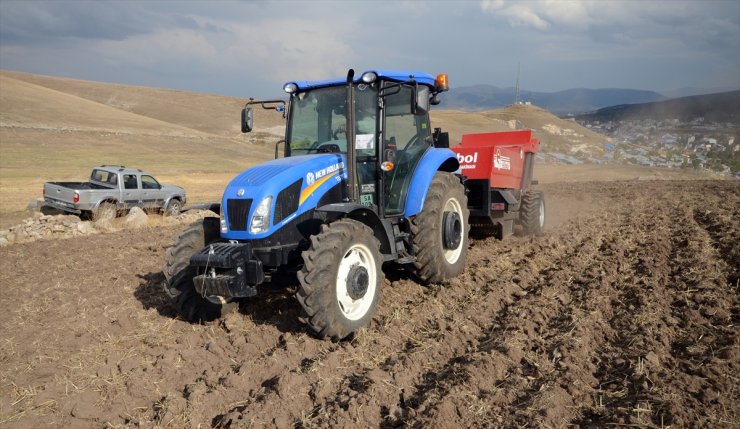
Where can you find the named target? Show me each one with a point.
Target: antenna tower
(516, 93)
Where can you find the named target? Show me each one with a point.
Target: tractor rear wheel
(179, 274)
(340, 279)
(439, 233)
(532, 217)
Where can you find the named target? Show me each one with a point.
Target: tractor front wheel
(179, 275)
(340, 279)
(440, 232)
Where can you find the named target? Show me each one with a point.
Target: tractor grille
(287, 201)
(238, 211)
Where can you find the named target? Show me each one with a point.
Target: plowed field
(624, 314)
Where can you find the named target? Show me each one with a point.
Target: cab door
(151, 194)
(131, 191)
(405, 139)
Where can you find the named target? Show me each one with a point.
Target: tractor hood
(260, 200)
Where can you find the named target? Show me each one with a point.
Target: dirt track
(626, 313)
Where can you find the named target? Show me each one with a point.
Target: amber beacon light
(441, 82)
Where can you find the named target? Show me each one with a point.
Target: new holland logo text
(312, 177)
(317, 178)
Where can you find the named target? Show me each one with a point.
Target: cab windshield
(318, 120)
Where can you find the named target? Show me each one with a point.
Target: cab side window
(149, 182)
(129, 181)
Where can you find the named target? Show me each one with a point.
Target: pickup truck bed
(78, 185)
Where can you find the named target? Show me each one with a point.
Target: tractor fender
(432, 161)
(364, 215)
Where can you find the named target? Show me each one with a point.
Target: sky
(250, 48)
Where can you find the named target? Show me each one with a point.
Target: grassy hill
(57, 129)
(212, 114)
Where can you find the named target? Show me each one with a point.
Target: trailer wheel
(340, 279)
(179, 274)
(105, 211)
(439, 233)
(532, 217)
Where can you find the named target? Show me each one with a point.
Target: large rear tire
(340, 279)
(532, 217)
(439, 234)
(179, 274)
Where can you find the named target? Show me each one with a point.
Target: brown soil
(625, 314)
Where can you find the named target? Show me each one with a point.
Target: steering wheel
(329, 148)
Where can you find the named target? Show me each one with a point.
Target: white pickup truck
(114, 189)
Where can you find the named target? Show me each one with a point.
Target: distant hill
(208, 113)
(721, 107)
(568, 102)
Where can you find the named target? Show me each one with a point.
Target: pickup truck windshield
(105, 177)
(318, 121)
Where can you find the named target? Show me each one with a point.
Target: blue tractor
(363, 181)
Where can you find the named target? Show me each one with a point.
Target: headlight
(261, 217)
(224, 229)
(290, 87)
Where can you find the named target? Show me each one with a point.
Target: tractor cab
(379, 123)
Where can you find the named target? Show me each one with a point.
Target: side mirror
(247, 120)
(421, 104)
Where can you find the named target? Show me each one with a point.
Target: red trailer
(498, 168)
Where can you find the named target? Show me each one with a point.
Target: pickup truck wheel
(532, 213)
(179, 274)
(340, 279)
(173, 207)
(105, 211)
(439, 234)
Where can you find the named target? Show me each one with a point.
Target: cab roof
(391, 75)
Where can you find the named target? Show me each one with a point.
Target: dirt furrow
(513, 344)
(340, 378)
(636, 364)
